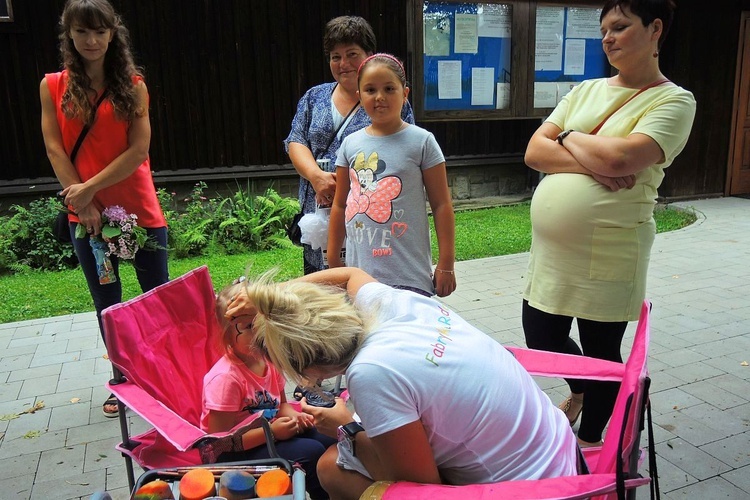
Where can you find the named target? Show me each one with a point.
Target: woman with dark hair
(605, 148)
(326, 114)
(100, 88)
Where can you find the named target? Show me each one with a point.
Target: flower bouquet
(121, 236)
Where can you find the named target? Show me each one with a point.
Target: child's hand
(305, 422)
(445, 282)
(284, 428)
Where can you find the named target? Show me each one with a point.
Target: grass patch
(479, 233)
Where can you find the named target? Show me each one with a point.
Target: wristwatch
(562, 135)
(346, 434)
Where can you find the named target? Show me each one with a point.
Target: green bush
(255, 223)
(198, 226)
(28, 241)
(239, 223)
(190, 231)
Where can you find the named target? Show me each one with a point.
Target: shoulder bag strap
(85, 129)
(650, 85)
(333, 136)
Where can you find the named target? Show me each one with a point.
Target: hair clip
(239, 280)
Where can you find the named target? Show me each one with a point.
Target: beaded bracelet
(443, 271)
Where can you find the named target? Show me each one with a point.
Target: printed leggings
(551, 332)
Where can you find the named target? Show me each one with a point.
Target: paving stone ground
(699, 283)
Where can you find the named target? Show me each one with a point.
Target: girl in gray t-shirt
(385, 174)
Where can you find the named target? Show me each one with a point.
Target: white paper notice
(503, 96)
(583, 22)
(449, 79)
(494, 20)
(466, 41)
(437, 35)
(549, 36)
(545, 94)
(482, 86)
(575, 57)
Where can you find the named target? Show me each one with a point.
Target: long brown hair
(119, 68)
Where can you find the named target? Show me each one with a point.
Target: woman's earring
(656, 54)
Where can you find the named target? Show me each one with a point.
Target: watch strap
(562, 135)
(352, 428)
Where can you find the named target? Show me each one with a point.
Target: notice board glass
(466, 56)
(568, 50)
(500, 59)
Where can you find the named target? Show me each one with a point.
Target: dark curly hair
(348, 29)
(119, 68)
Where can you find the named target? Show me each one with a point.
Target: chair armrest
(553, 364)
(181, 433)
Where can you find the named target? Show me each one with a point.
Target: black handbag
(60, 226)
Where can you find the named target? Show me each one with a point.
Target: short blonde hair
(301, 325)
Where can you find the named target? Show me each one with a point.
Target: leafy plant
(255, 223)
(32, 242)
(190, 232)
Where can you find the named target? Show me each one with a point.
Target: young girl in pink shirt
(241, 383)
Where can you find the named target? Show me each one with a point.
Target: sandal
(572, 407)
(111, 401)
(298, 393)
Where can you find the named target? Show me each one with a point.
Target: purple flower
(115, 213)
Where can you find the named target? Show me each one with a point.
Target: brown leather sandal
(111, 401)
(566, 405)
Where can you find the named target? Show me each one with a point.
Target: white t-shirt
(485, 417)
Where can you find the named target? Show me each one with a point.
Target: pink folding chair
(161, 344)
(613, 466)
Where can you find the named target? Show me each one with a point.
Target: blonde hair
(300, 325)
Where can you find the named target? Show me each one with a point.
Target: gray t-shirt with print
(387, 229)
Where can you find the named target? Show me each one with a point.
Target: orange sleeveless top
(106, 140)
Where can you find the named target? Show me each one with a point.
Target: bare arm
(436, 184)
(614, 156)
(350, 278)
(139, 138)
(53, 143)
(282, 428)
(336, 224)
(545, 154)
(65, 172)
(403, 454)
(323, 183)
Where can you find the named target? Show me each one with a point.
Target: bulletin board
(568, 50)
(466, 56)
(500, 59)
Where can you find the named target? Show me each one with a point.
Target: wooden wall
(225, 75)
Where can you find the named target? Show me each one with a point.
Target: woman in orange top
(112, 165)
